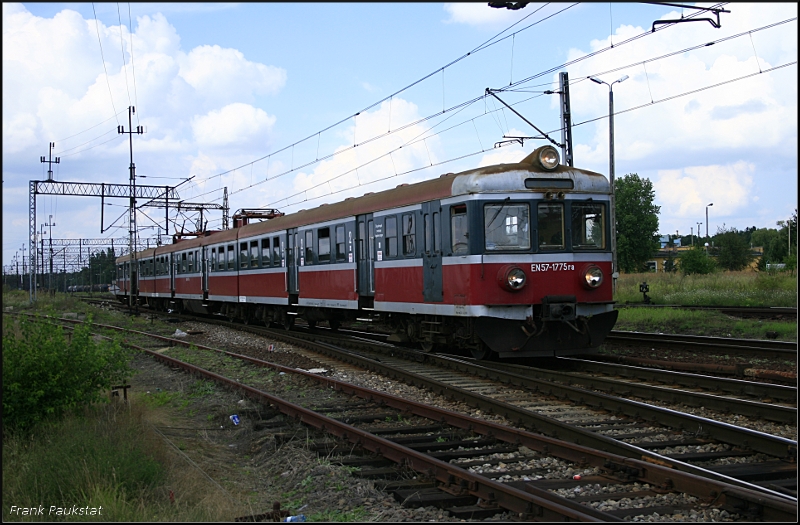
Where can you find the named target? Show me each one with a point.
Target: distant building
(664, 240)
(659, 262)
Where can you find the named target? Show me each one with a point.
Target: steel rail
(781, 349)
(771, 412)
(772, 445)
(724, 384)
(530, 503)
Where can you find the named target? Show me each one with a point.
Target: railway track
(711, 389)
(474, 468)
(750, 347)
(554, 407)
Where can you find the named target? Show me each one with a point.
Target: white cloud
(227, 76)
(336, 178)
(684, 193)
(185, 100)
(728, 116)
(237, 123)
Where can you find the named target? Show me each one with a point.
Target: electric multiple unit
(510, 260)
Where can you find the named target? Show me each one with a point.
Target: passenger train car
(510, 260)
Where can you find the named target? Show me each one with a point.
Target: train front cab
(520, 266)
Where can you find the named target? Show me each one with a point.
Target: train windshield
(507, 227)
(551, 226)
(588, 226)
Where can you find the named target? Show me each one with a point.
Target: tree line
(729, 249)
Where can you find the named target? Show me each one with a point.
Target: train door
(206, 268)
(292, 261)
(432, 252)
(173, 261)
(365, 254)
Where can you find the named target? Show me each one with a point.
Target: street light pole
(709, 204)
(698, 231)
(613, 218)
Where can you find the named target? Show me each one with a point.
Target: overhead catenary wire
(305, 191)
(108, 82)
(133, 67)
(597, 52)
(122, 51)
(488, 43)
(91, 128)
(686, 93)
(591, 120)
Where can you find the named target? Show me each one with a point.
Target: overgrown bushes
(46, 373)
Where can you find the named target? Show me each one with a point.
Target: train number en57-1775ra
(552, 267)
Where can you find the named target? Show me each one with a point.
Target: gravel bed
(552, 468)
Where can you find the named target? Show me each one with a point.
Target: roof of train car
(479, 180)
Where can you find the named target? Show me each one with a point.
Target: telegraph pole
(132, 212)
(50, 162)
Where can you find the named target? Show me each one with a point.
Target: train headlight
(593, 276)
(511, 278)
(548, 157)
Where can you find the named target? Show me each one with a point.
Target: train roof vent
(446, 174)
(369, 193)
(349, 198)
(401, 185)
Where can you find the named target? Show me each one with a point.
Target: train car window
(309, 248)
(409, 235)
(254, 254)
(459, 234)
(265, 252)
(391, 236)
(340, 246)
(191, 262)
(183, 262)
(551, 226)
(231, 258)
(244, 258)
(588, 226)
(507, 226)
(437, 233)
(213, 259)
(276, 251)
(324, 244)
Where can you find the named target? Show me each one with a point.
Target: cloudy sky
(293, 105)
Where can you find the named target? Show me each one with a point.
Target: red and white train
(512, 260)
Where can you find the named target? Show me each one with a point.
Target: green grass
(105, 456)
(718, 289)
(694, 322)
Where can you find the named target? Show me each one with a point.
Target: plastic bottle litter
(301, 517)
(235, 419)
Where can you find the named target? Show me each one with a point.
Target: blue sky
(224, 86)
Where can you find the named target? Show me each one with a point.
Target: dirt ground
(262, 460)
